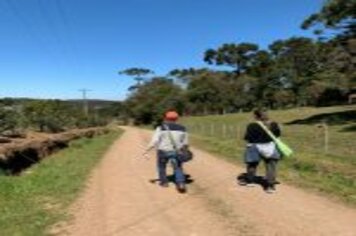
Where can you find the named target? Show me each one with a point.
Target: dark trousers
(162, 160)
(271, 170)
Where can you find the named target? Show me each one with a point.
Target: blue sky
(53, 48)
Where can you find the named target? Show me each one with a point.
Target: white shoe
(270, 190)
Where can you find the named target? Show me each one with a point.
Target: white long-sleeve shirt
(162, 141)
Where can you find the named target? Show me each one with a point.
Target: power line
(22, 20)
(50, 23)
(85, 100)
(62, 13)
(57, 29)
(28, 27)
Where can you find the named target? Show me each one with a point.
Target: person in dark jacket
(260, 146)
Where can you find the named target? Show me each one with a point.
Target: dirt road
(121, 200)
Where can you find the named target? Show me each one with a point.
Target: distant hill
(93, 103)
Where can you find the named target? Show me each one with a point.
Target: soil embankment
(17, 154)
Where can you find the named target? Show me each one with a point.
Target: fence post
(238, 133)
(326, 138)
(224, 131)
(325, 128)
(212, 129)
(231, 131)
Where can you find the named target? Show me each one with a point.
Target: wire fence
(320, 139)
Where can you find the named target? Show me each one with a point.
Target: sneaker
(242, 182)
(181, 188)
(245, 183)
(270, 189)
(164, 185)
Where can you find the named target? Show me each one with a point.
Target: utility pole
(85, 101)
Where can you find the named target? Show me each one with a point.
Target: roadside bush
(10, 120)
(49, 115)
(57, 116)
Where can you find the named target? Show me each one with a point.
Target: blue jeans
(162, 159)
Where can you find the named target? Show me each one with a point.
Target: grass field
(37, 199)
(325, 155)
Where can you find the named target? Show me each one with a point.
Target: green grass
(332, 173)
(32, 202)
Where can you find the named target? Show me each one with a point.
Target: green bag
(283, 148)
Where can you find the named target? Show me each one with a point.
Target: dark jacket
(256, 134)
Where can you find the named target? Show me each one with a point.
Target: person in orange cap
(168, 139)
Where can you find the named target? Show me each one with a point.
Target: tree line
(292, 72)
(19, 115)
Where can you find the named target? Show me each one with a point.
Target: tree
(206, 91)
(262, 68)
(9, 119)
(186, 75)
(339, 15)
(50, 115)
(153, 98)
(206, 94)
(138, 74)
(296, 64)
(237, 56)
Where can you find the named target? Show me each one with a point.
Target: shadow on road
(258, 180)
(188, 179)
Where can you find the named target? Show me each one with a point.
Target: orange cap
(171, 116)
